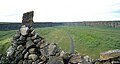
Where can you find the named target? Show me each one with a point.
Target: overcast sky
(60, 10)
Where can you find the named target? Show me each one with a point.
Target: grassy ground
(88, 40)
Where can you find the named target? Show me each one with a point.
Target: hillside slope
(88, 40)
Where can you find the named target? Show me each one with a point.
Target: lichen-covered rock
(26, 61)
(24, 30)
(20, 48)
(26, 55)
(87, 59)
(38, 44)
(115, 62)
(10, 51)
(43, 44)
(35, 36)
(65, 55)
(109, 54)
(43, 58)
(29, 43)
(17, 35)
(37, 41)
(27, 18)
(44, 51)
(20, 62)
(22, 38)
(18, 56)
(32, 50)
(29, 61)
(33, 32)
(76, 58)
(55, 60)
(33, 57)
(107, 62)
(53, 49)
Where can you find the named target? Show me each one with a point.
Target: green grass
(5, 39)
(88, 40)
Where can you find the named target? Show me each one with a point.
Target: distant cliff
(14, 26)
(115, 24)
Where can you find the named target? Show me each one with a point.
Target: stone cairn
(28, 47)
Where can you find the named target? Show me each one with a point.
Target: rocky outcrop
(109, 57)
(110, 54)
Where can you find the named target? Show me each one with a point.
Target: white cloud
(59, 10)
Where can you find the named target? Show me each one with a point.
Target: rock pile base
(28, 47)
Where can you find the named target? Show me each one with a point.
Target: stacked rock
(28, 47)
(109, 57)
(24, 45)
